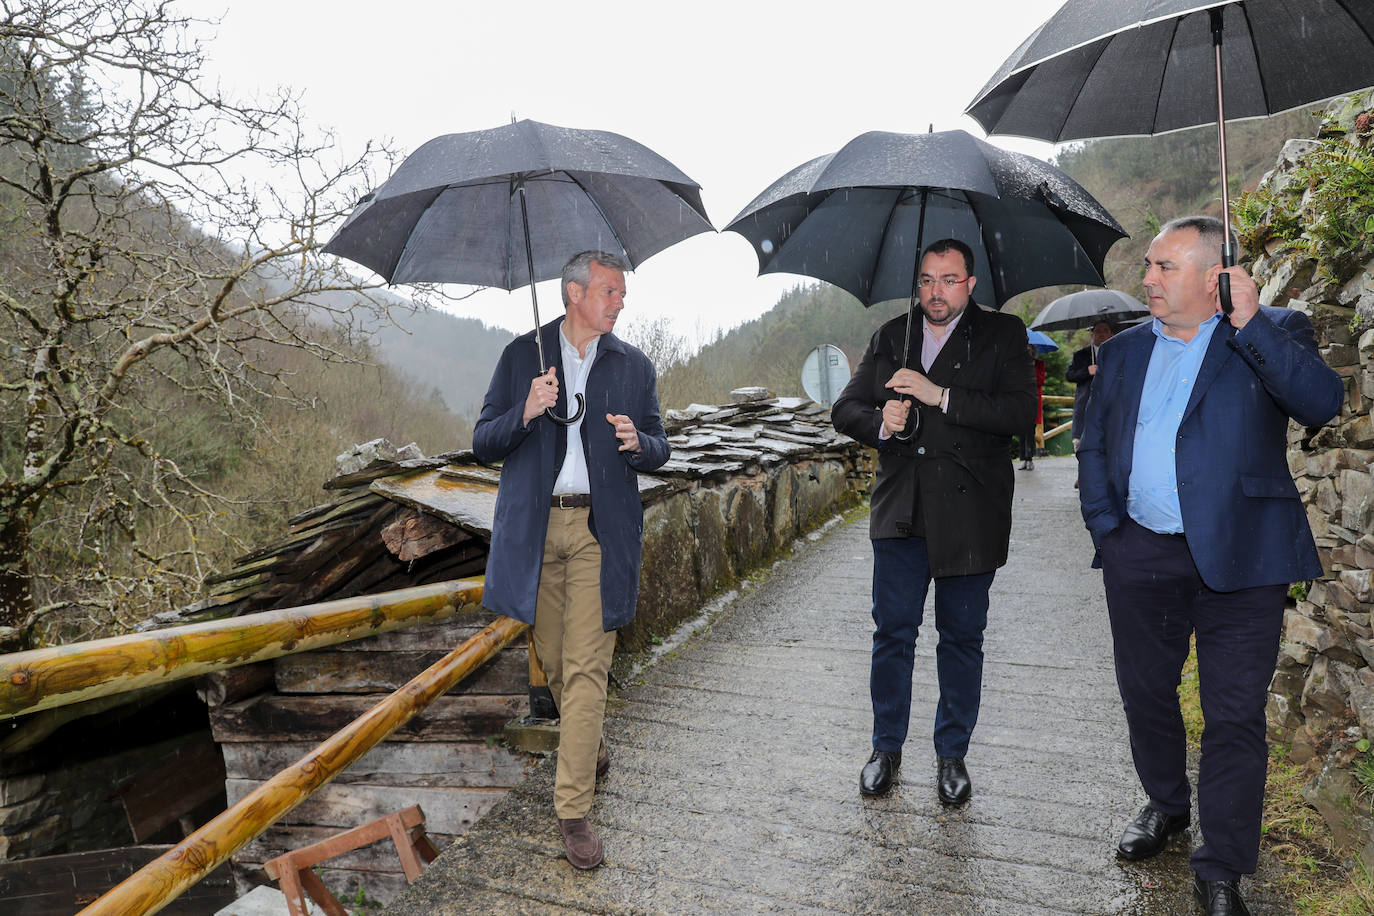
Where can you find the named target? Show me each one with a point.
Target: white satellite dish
(825, 372)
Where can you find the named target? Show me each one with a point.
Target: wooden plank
(458, 764)
(233, 684)
(418, 534)
(443, 634)
(329, 671)
(171, 788)
(277, 841)
(60, 885)
(308, 718)
(345, 805)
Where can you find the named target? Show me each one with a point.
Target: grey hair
(579, 268)
(1211, 232)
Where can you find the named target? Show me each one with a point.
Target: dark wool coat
(622, 381)
(1078, 374)
(961, 460)
(1245, 523)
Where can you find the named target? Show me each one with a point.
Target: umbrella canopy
(1085, 309)
(858, 217)
(452, 211)
(1138, 67)
(466, 208)
(1103, 68)
(1041, 341)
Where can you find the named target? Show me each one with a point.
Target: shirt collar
(949, 328)
(570, 351)
(1206, 327)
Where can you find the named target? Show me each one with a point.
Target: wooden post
(165, 878)
(56, 676)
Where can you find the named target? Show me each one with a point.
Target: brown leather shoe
(603, 762)
(581, 842)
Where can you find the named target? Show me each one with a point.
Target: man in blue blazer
(1199, 530)
(566, 539)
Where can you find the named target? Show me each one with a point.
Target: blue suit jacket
(1245, 523)
(622, 381)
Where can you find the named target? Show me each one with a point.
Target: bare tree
(157, 243)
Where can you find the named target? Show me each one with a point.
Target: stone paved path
(733, 787)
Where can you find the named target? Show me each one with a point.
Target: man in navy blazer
(1185, 487)
(566, 539)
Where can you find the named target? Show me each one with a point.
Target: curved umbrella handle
(913, 423)
(568, 421)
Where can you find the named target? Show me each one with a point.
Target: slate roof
(410, 520)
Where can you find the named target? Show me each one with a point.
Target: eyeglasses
(946, 282)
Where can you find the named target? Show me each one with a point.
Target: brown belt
(570, 501)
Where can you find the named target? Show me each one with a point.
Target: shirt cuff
(944, 402)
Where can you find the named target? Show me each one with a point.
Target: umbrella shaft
(529, 260)
(1228, 256)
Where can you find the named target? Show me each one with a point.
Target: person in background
(1028, 438)
(1082, 369)
(566, 541)
(941, 504)
(1199, 530)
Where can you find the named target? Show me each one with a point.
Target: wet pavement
(734, 780)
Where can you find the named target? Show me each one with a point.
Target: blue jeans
(901, 578)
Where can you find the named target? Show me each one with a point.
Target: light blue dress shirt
(1152, 496)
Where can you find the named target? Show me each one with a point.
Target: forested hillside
(171, 389)
(1142, 181)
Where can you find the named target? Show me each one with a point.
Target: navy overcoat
(622, 381)
(1245, 523)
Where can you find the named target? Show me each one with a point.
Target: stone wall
(1321, 701)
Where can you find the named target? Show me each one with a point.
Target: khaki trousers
(575, 653)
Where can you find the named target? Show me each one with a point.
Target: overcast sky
(733, 92)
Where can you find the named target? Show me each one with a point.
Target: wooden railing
(46, 678)
(162, 880)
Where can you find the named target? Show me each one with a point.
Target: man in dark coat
(1082, 368)
(566, 540)
(1199, 530)
(941, 504)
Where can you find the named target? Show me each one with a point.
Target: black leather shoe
(1148, 833)
(1219, 898)
(876, 776)
(953, 783)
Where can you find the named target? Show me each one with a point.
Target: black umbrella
(1086, 308)
(1105, 68)
(858, 218)
(463, 208)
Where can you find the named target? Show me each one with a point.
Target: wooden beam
(163, 880)
(61, 675)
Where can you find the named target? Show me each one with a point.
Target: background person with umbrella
(941, 503)
(1199, 531)
(1082, 369)
(1040, 343)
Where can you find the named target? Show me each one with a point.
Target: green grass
(1315, 877)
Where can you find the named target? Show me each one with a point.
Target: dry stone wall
(1321, 701)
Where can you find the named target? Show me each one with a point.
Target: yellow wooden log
(1059, 429)
(55, 676)
(1057, 398)
(165, 878)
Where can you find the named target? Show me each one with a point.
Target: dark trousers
(1155, 599)
(901, 577)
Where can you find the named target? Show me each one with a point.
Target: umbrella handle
(569, 421)
(913, 423)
